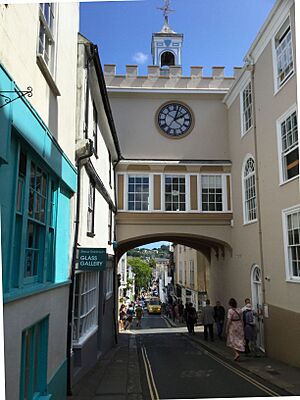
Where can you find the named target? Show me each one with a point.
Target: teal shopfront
(37, 184)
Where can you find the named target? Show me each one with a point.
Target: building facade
(204, 157)
(38, 173)
(191, 275)
(97, 151)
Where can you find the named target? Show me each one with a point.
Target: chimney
(237, 71)
(218, 72)
(153, 71)
(110, 69)
(131, 71)
(196, 72)
(175, 72)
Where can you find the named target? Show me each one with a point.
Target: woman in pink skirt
(235, 329)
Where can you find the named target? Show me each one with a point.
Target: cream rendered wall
(34, 308)
(269, 109)
(101, 165)
(135, 123)
(244, 237)
(19, 28)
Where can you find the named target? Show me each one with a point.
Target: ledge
(18, 294)
(173, 218)
(47, 74)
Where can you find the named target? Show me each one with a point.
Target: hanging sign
(92, 259)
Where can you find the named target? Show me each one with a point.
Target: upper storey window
(138, 193)
(283, 54)
(246, 108)
(175, 193)
(249, 190)
(212, 193)
(287, 130)
(46, 46)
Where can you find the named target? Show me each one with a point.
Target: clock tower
(166, 45)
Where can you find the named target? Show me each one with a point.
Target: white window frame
(243, 110)
(245, 209)
(86, 288)
(288, 268)
(224, 193)
(175, 175)
(150, 192)
(187, 178)
(281, 158)
(109, 282)
(281, 32)
(90, 222)
(50, 34)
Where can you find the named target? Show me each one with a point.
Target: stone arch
(198, 242)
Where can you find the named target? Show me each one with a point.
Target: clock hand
(178, 116)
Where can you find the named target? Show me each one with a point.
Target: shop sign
(92, 259)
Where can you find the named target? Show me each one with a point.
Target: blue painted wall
(22, 119)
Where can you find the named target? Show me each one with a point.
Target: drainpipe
(115, 297)
(87, 154)
(251, 68)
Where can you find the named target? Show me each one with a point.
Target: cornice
(237, 87)
(272, 24)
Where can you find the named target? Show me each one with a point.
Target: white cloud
(140, 58)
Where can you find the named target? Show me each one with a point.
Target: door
(257, 303)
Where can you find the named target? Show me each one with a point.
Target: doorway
(257, 302)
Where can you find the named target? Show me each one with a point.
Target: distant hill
(147, 254)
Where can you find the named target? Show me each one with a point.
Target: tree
(142, 271)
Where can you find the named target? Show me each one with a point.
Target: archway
(167, 59)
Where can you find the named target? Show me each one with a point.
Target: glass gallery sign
(93, 259)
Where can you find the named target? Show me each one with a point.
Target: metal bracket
(19, 93)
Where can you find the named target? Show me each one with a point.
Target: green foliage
(148, 254)
(142, 271)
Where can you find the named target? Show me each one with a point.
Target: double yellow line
(259, 385)
(149, 375)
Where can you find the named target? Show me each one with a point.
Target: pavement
(116, 376)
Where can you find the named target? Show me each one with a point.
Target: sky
(216, 32)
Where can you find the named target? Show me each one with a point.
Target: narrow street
(160, 361)
(174, 366)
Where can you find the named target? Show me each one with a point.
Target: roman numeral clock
(174, 120)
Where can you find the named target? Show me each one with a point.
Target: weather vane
(166, 9)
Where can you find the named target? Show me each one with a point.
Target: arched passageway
(197, 242)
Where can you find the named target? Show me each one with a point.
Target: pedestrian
(176, 312)
(138, 315)
(180, 311)
(208, 318)
(129, 318)
(122, 316)
(191, 318)
(235, 329)
(219, 318)
(249, 327)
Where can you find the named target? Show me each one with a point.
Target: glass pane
(20, 195)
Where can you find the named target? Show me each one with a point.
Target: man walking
(208, 320)
(219, 318)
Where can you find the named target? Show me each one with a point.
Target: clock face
(175, 119)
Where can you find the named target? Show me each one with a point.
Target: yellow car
(154, 306)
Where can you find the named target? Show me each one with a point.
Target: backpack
(248, 317)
